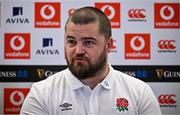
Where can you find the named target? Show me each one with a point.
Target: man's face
(85, 49)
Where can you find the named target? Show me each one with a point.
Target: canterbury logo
(166, 44)
(167, 99)
(137, 13)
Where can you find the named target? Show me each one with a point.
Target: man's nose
(80, 49)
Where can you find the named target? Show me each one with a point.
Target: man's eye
(89, 43)
(71, 42)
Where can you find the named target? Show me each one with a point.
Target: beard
(84, 71)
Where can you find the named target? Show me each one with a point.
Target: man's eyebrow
(89, 38)
(70, 37)
(83, 38)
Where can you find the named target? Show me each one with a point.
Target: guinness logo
(40, 73)
(159, 73)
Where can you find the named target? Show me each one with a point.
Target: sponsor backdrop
(145, 32)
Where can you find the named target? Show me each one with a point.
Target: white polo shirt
(64, 94)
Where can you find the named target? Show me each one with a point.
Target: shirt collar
(77, 84)
(73, 81)
(108, 81)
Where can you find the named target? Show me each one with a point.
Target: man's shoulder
(129, 80)
(51, 80)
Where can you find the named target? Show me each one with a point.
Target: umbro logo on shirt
(65, 106)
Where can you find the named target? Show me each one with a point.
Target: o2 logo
(141, 73)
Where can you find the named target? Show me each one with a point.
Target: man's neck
(99, 77)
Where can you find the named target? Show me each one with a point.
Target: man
(90, 86)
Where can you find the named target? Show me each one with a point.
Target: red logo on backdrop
(167, 44)
(13, 99)
(166, 15)
(71, 11)
(112, 10)
(17, 46)
(47, 15)
(113, 47)
(167, 100)
(137, 13)
(137, 46)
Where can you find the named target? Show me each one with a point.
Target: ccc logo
(166, 44)
(136, 13)
(167, 99)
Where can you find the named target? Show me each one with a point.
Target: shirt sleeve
(148, 104)
(34, 103)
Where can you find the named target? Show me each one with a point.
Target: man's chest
(104, 103)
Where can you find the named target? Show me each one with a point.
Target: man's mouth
(80, 60)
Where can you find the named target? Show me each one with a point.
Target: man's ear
(109, 44)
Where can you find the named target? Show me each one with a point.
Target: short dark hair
(88, 14)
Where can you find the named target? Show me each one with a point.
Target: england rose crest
(122, 104)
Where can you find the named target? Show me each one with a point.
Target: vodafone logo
(137, 46)
(17, 98)
(166, 44)
(47, 14)
(112, 10)
(137, 43)
(167, 12)
(166, 15)
(109, 10)
(21, 43)
(51, 12)
(17, 46)
(13, 99)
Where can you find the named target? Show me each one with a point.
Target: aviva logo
(17, 16)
